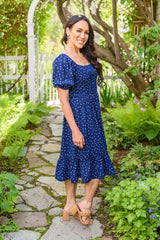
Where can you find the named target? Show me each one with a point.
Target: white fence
(11, 69)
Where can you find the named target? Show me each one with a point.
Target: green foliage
(13, 28)
(134, 194)
(15, 116)
(10, 226)
(8, 192)
(115, 92)
(114, 133)
(138, 123)
(135, 208)
(140, 163)
(145, 56)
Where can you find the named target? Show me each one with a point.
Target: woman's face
(78, 34)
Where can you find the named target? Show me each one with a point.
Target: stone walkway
(42, 198)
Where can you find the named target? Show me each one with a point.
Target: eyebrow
(82, 29)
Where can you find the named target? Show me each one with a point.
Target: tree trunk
(111, 52)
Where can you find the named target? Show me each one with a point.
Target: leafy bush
(135, 208)
(114, 132)
(134, 194)
(138, 123)
(115, 92)
(15, 114)
(8, 192)
(141, 163)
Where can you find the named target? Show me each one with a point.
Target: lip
(80, 42)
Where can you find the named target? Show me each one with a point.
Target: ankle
(85, 204)
(69, 204)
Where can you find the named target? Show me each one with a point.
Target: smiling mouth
(80, 42)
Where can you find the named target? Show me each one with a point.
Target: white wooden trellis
(10, 72)
(38, 89)
(47, 92)
(32, 54)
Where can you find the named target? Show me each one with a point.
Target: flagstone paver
(30, 219)
(38, 198)
(52, 158)
(34, 160)
(55, 211)
(72, 229)
(39, 137)
(51, 147)
(21, 235)
(35, 204)
(19, 200)
(58, 187)
(56, 129)
(34, 148)
(20, 182)
(47, 170)
(23, 207)
(27, 178)
(35, 174)
(19, 187)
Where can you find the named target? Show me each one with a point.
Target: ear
(68, 31)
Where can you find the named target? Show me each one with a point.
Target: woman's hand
(78, 138)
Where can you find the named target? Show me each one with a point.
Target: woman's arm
(77, 136)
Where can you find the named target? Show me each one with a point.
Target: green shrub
(140, 163)
(138, 123)
(114, 132)
(135, 208)
(8, 192)
(115, 92)
(133, 194)
(15, 115)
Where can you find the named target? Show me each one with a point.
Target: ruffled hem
(92, 168)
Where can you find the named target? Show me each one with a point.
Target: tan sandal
(81, 214)
(72, 211)
(65, 215)
(87, 221)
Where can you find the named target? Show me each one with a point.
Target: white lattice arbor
(32, 54)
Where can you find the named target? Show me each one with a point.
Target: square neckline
(74, 61)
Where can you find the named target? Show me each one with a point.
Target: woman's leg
(71, 194)
(90, 190)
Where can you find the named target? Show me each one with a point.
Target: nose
(82, 35)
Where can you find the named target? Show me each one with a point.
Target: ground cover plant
(138, 122)
(133, 195)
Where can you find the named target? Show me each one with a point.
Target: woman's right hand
(78, 138)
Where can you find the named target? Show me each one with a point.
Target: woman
(83, 148)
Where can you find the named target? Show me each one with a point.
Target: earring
(67, 36)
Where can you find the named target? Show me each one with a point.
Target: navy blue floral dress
(92, 161)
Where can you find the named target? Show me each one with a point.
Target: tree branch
(83, 7)
(108, 28)
(105, 35)
(60, 11)
(149, 20)
(115, 30)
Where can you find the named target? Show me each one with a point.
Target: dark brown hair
(88, 49)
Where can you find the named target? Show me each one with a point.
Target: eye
(87, 33)
(78, 30)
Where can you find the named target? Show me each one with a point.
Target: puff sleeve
(62, 73)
